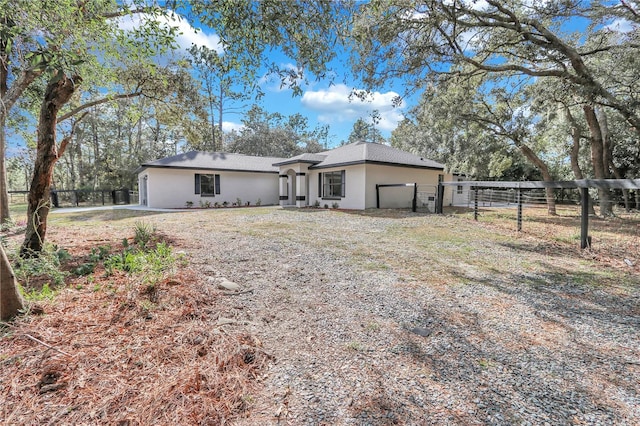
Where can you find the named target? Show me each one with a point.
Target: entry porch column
(301, 189)
(284, 197)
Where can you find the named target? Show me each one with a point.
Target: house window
(333, 184)
(459, 186)
(207, 185)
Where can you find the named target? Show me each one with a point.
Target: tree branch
(13, 94)
(65, 141)
(97, 102)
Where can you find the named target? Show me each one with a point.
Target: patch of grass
(37, 295)
(376, 266)
(153, 263)
(373, 327)
(484, 363)
(356, 346)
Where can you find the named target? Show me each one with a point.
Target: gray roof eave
(286, 162)
(154, 166)
(382, 163)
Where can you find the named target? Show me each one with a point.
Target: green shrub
(45, 266)
(96, 255)
(143, 233)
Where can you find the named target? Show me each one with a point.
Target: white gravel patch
(367, 327)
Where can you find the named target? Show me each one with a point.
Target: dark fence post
(519, 197)
(127, 196)
(113, 197)
(475, 203)
(75, 194)
(377, 196)
(54, 198)
(440, 198)
(414, 206)
(585, 240)
(102, 192)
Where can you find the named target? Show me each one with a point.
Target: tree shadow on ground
(106, 215)
(558, 348)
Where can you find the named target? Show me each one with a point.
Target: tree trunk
(10, 299)
(546, 176)
(598, 159)
(57, 94)
(4, 76)
(98, 164)
(607, 151)
(9, 96)
(4, 190)
(576, 136)
(220, 112)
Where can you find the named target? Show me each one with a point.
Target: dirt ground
(382, 317)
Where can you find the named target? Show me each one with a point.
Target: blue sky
(321, 102)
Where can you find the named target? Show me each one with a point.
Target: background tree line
(553, 84)
(507, 89)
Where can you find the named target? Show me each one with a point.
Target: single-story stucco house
(345, 176)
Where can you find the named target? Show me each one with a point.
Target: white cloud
(229, 126)
(621, 26)
(187, 37)
(337, 104)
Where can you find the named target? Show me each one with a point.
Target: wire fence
(627, 200)
(81, 197)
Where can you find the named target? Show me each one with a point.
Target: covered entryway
(288, 188)
(294, 186)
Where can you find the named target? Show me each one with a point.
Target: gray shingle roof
(354, 153)
(363, 152)
(216, 161)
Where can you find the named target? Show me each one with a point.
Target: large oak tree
(435, 42)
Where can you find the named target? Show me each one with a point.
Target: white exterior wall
(172, 188)
(354, 187)
(396, 197)
(453, 197)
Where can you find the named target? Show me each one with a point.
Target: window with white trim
(207, 185)
(333, 184)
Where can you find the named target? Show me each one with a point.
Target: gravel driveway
(412, 319)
